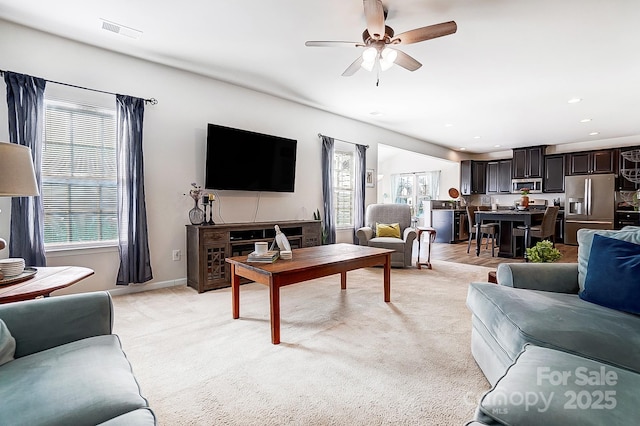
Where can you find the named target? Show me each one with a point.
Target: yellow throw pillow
(388, 230)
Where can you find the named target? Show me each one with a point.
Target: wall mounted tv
(248, 161)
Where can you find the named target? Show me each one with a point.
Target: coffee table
(307, 264)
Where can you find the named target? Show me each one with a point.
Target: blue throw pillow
(613, 274)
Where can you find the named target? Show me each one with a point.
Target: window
(343, 187)
(79, 173)
(414, 188)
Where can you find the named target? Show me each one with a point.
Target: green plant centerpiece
(524, 199)
(543, 251)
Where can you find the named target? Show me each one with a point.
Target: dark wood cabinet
(209, 245)
(498, 177)
(553, 173)
(629, 162)
(592, 162)
(473, 177)
(528, 162)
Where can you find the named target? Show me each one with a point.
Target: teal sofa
(61, 365)
(537, 320)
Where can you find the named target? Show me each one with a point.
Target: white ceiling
(505, 76)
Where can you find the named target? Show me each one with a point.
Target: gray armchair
(389, 214)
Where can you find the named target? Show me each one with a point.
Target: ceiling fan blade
(425, 33)
(374, 14)
(355, 66)
(406, 61)
(333, 44)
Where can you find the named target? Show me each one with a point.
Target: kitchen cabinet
(450, 225)
(627, 218)
(499, 177)
(473, 177)
(592, 162)
(629, 169)
(528, 162)
(553, 173)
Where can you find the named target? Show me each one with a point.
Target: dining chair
(488, 230)
(547, 229)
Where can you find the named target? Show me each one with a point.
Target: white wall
(174, 144)
(396, 160)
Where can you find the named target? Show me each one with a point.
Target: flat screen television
(248, 161)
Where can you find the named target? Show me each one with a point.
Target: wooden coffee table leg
(343, 280)
(387, 278)
(274, 294)
(235, 293)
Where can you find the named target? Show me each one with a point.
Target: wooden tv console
(209, 245)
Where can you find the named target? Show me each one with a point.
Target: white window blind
(343, 189)
(79, 174)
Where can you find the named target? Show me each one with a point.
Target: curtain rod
(342, 140)
(152, 101)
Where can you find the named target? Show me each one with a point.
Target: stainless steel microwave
(534, 185)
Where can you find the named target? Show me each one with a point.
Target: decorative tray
(25, 275)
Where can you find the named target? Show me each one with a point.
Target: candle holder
(211, 222)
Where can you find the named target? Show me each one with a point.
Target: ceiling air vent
(120, 29)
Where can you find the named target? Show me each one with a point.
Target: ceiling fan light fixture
(387, 58)
(369, 57)
(369, 54)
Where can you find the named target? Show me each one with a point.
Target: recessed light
(476, 137)
(376, 113)
(121, 29)
(585, 120)
(594, 133)
(574, 100)
(497, 146)
(448, 125)
(463, 149)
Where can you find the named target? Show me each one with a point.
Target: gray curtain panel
(329, 227)
(358, 203)
(133, 240)
(25, 101)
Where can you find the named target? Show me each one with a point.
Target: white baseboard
(137, 288)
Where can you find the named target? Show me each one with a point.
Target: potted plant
(543, 251)
(524, 201)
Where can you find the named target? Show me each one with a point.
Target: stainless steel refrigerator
(589, 203)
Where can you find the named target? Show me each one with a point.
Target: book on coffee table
(269, 257)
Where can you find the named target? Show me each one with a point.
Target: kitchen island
(507, 220)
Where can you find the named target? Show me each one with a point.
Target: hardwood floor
(458, 253)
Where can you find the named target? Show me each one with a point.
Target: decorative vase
(196, 215)
(524, 201)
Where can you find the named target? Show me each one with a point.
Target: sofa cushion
(388, 230)
(561, 321)
(612, 274)
(88, 381)
(7, 344)
(585, 238)
(549, 387)
(389, 243)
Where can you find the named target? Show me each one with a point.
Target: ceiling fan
(378, 37)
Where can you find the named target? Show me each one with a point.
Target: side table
(431, 238)
(45, 281)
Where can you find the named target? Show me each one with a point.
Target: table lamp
(17, 177)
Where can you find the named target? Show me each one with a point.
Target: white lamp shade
(17, 178)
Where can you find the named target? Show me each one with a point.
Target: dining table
(507, 219)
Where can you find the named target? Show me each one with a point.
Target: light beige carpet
(346, 357)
